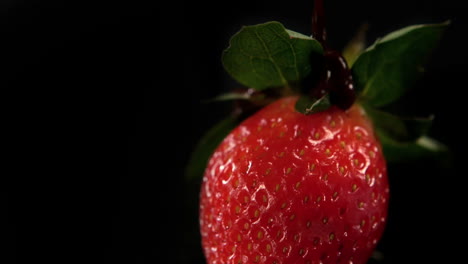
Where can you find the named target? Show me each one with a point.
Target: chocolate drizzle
(335, 77)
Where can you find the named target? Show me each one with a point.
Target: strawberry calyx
(271, 62)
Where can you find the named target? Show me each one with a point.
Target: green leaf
(398, 128)
(384, 71)
(423, 147)
(268, 55)
(404, 139)
(307, 105)
(206, 146)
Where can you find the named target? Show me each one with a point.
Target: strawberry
(304, 179)
(284, 187)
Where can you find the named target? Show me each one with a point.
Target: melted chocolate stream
(318, 23)
(336, 78)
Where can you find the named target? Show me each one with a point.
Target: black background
(102, 109)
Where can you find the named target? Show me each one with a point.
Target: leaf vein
(283, 79)
(294, 55)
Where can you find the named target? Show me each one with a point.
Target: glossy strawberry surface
(284, 187)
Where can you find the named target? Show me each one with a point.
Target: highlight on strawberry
(298, 172)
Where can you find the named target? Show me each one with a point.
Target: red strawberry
(285, 187)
